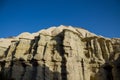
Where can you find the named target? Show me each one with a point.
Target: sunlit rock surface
(60, 53)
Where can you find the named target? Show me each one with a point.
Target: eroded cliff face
(60, 53)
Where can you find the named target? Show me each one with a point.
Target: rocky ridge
(60, 53)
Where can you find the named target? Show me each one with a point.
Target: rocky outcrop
(60, 53)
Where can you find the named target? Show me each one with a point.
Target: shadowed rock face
(60, 53)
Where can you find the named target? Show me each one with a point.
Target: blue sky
(98, 16)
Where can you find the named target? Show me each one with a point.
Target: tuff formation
(60, 53)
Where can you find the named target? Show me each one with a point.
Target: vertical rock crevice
(83, 70)
(60, 49)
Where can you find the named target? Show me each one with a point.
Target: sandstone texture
(60, 53)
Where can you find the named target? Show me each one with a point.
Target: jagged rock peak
(52, 31)
(59, 53)
(56, 30)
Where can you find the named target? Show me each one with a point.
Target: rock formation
(60, 53)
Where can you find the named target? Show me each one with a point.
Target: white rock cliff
(60, 53)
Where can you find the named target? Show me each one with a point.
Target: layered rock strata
(60, 53)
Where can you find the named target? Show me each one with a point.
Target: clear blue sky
(99, 16)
